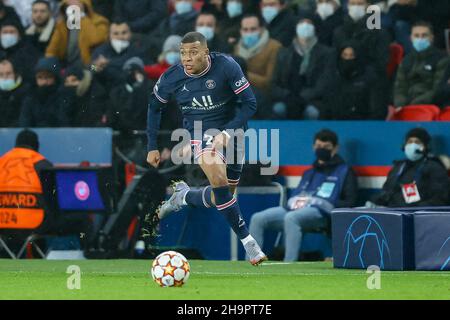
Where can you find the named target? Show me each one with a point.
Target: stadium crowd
(306, 59)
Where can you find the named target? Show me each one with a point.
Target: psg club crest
(210, 84)
(82, 191)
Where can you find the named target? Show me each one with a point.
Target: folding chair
(30, 240)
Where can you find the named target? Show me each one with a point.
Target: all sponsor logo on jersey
(210, 84)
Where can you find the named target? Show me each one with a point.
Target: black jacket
(282, 27)
(349, 193)
(374, 43)
(297, 90)
(142, 16)
(431, 178)
(11, 103)
(359, 97)
(24, 57)
(113, 74)
(87, 109)
(442, 97)
(326, 28)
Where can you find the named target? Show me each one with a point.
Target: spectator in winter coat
(280, 20)
(356, 93)
(421, 71)
(302, 75)
(143, 16)
(75, 46)
(168, 57)
(41, 29)
(42, 105)
(420, 180)
(12, 92)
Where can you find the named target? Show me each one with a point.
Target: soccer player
(210, 88)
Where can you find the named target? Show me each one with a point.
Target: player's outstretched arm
(153, 124)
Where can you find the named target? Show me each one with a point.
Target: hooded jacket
(43, 109)
(93, 32)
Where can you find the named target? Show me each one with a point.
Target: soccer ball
(170, 269)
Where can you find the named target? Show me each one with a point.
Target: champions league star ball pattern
(170, 269)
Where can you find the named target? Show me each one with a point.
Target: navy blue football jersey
(212, 97)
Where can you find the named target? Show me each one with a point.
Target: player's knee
(291, 218)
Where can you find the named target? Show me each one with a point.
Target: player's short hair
(326, 135)
(194, 36)
(254, 15)
(425, 24)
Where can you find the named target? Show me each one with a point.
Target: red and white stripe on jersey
(226, 205)
(212, 150)
(232, 182)
(245, 86)
(203, 198)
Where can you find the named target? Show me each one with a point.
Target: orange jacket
(93, 32)
(21, 205)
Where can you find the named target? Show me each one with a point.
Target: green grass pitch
(211, 280)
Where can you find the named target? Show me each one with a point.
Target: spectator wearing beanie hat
(168, 57)
(420, 180)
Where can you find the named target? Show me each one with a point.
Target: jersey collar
(202, 73)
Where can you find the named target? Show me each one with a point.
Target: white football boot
(175, 202)
(254, 253)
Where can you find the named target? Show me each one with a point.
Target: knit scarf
(247, 53)
(305, 52)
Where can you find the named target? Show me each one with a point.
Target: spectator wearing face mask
(206, 24)
(356, 93)
(12, 92)
(280, 20)
(141, 15)
(302, 75)
(42, 104)
(41, 29)
(169, 57)
(84, 99)
(179, 22)
(331, 16)
(420, 180)
(374, 43)
(260, 54)
(421, 71)
(229, 26)
(109, 58)
(74, 46)
(16, 48)
(329, 184)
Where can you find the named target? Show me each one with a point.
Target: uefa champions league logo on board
(82, 191)
(444, 250)
(361, 233)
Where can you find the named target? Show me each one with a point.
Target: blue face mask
(250, 39)
(305, 30)
(234, 9)
(7, 84)
(269, 13)
(207, 32)
(414, 151)
(183, 7)
(421, 44)
(172, 57)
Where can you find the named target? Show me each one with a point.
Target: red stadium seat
(417, 113)
(445, 114)
(396, 54)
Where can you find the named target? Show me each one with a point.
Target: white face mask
(325, 9)
(207, 32)
(9, 40)
(356, 12)
(119, 45)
